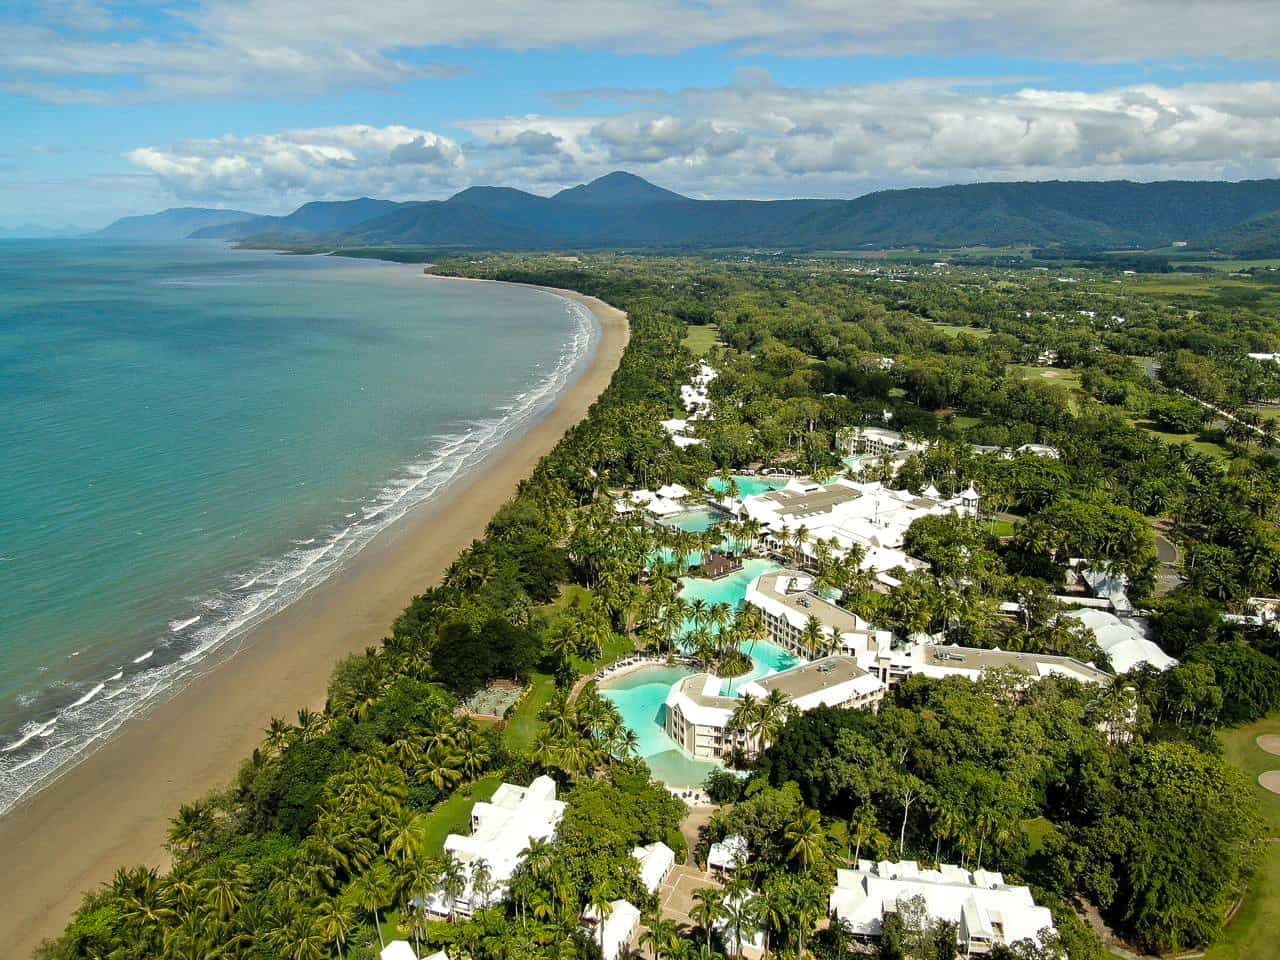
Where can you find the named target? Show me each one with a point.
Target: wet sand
(113, 808)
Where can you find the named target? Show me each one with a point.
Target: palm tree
(806, 841)
(601, 907)
(863, 828)
(708, 904)
(335, 922)
(279, 733)
(370, 892)
(742, 916)
(660, 936)
(812, 638)
(453, 881)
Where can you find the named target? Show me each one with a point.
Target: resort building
(786, 600)
(615, 931)
(879, 441)
(500, 834)
(727, 855)
(740, 939)
(845, 513)
(987, 912)
(1124, 640)
(698, 713)
(655, 861)
(397, 950)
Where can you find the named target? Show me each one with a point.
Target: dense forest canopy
(1112, 799)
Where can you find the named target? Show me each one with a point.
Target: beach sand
(113, 809)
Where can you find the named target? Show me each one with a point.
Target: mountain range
(623, 211)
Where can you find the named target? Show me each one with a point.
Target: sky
(117, 108)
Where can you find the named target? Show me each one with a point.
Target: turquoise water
(695, 521)
(747, 486)
(192, 436)
(641, 696)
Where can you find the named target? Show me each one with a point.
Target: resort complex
(985, 911)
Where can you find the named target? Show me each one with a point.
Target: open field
(1063, 378)
(701, 339)
(1206, 447)
(1255, 929)
(523, 723)
(454, 814)
(950, 330)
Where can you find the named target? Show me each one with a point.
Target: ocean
(193, 436)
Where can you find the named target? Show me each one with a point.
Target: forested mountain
(621, 210)
(316, 217)
(1259, 237)
(176, 223)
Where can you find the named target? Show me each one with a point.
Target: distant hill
(623, 211)
(1256, 239)
(176, 223)
(321, 216)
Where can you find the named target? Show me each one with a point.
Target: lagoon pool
(641, 696)
(695, 521)
(748, 486)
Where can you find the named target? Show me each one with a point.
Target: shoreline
(113, 808)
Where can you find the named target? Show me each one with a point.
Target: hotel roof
(791, 590)
(811, 500)
(829, 673)
(954, 659)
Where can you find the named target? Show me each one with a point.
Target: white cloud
(223, 48)
(755, 138)
(279, 169)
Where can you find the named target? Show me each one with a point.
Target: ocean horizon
(192, 437)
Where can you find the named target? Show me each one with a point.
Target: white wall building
(727, 855)
(655, 861)
(698, 712)
(501, 831)
(617, 928)
(786, 600)
(987, 911)
(879, 441)
(397, 950)
(846, 512)
(1123, 640)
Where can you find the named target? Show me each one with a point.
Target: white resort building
(698, 712)
(617, 928)
(501, 830)
(987, 911)
(1124, 640)
(786, 600)
(879, 441)
(655, 861)
(869, 515)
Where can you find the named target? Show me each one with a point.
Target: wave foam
(247, 597)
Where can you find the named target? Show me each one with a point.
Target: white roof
(685, 441)
(675, 425)
(673, 491)
(729, 854)
(1124, 641)
(398, 950)
(979, 902)
(501, 830)
(438, 955)
(619, 925)
(662, 507)
(655, 860)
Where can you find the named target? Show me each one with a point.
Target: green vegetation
(1114, 797)
(699, 340)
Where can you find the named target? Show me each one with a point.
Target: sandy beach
(113, 808)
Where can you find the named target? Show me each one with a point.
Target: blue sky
(117, 108)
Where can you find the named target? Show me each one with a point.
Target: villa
(619, 926)
(848, 513)
(655, 861)
(501, 831)
(698, 714)
(1124, 640)
(987, 912)
(397, 950)
(727, 855)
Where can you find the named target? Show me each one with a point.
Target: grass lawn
(963, 421)
(1255, 929)
(1003, 528)
(454, 814)
(524, 723)
(1201, 446)
(700, 339)
(1064, 378)
(950, 330)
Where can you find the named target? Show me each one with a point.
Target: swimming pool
(695, 521)
(641, 696)
(748, 486)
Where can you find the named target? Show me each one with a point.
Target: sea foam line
(233, 610)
